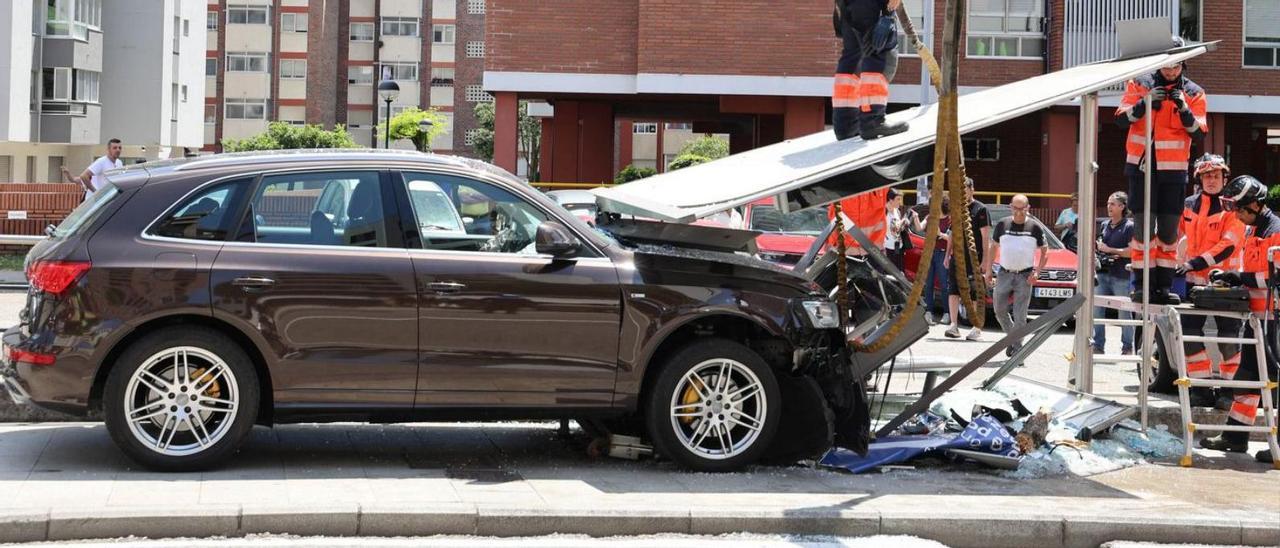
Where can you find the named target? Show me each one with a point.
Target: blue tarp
(984, 434)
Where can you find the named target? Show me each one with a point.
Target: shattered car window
(767, 218)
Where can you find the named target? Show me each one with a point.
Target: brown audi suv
(189, 301)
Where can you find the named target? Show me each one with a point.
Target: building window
(442, 34)
(399, 26)
(72, 18)
(475, 49)
(173, 103)
(184, 93)
(211, 20)
(186, 28)
(362, 32)
(981, 150)
(442, 77)
(679, 126)
(476, 94)
(295, 122)
(475, 7)
(1262, 33)
(293, 22)
(177, 38)
(1190, 16)
(246, 109)
(86, 86)
(293, 69)
(246, 62)
(210, 114)
(469, 138)
(247, 15)
(644, 128)
(360, 75)
(405, 72)
(1006, 28)
(210, 66)
(916, 9)
(57, 84)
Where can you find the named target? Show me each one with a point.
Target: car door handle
(253, 283)
(446, 287)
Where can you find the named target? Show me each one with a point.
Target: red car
(786, 237)
(1056, 283)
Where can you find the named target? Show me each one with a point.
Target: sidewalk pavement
(66, 481)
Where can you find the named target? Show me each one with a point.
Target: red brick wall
(753, 37)
(562, 36)
(467, 72)
(1222, 71)
(1018, 169)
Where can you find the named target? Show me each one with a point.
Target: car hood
(715, 265)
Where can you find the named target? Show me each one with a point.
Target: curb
(957, 531)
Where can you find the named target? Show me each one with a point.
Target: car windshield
(435, 211)
(767, 218)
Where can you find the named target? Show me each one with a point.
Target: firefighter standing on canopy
(868, 60)
(1179, 114)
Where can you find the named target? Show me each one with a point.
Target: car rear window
(206, 215)
(86, 212)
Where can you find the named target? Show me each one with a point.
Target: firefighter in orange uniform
(1246, 197)
(866, 212)
(1213, 236)
(1179, 114)
(868, 61)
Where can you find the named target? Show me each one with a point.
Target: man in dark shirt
(980, 222)
(1019, 241)
(1113, 275)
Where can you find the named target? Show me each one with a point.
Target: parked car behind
(784, 238)
(190, 300)
(1056, 283)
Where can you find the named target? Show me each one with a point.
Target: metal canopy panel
(817, 169)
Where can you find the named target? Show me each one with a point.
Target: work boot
(874, 125)
(1222, 443)
(1264, 456)
(846, 122)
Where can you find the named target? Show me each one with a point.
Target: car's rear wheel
(181, 399)
(714, 407)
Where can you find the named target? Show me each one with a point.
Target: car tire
(734, 433)
(181, 399)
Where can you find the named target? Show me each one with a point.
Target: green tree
(529, 136)
(282, 135)
(408, 125)
(707, 146)
(633, 173)
(686, 160)
(1273, 198)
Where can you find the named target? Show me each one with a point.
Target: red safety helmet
(1210, 162)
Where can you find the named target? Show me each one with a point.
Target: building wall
(469, 71)
(573, 36)
(15, 70)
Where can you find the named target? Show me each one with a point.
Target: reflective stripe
(1172, 166)
(1138, 139)
(1209, 259)
(838, 102)
(1261, 279)
(1166, 263)
(1245, 408)
(1133, 159)
(1197, 278)
(1257, 293)
(1164, 145)
(1230, 366)
(845, 94)
(874, 90)
(1199, 369)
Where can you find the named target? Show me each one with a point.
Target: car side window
(322, 208)
(455, 213)
(208, 215)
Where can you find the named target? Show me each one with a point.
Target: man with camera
(1178, 113)
(1114, 234)
(1213, 236)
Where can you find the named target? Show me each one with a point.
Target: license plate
(1054, 292)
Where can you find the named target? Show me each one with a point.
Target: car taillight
(55, 277)
(26, 356)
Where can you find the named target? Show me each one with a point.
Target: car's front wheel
(181, 399)
(714, 407)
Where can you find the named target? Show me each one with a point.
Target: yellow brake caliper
(690, 396)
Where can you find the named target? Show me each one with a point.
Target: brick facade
(470, 71)
(575, 36)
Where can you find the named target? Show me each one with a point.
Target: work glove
(1182, 268)
(1159, 94)
(1180, 99)
(1226, 278)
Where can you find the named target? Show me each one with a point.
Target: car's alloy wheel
(181, 400)
(714, 407)
(718, 409)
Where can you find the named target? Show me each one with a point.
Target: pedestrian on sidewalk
(1018, 242)
(980, 225)
(1065, 226)
(1114, 233)
(91, 179)
(937, 266)
(895, 236)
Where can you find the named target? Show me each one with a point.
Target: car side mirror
(555, 240)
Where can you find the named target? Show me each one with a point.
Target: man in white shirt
(91, 179)
(1023, 252)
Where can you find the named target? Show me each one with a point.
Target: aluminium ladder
(1167, 320)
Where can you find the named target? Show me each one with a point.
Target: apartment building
(318, 62)
(761, 71)
(79, 72)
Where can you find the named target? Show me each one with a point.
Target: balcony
(1089, 33)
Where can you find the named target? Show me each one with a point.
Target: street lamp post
(425, 127)
(388, 89)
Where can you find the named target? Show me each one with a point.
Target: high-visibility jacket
(867, 212)
(1171, 133)
(1213, 235)
(1254, 261)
